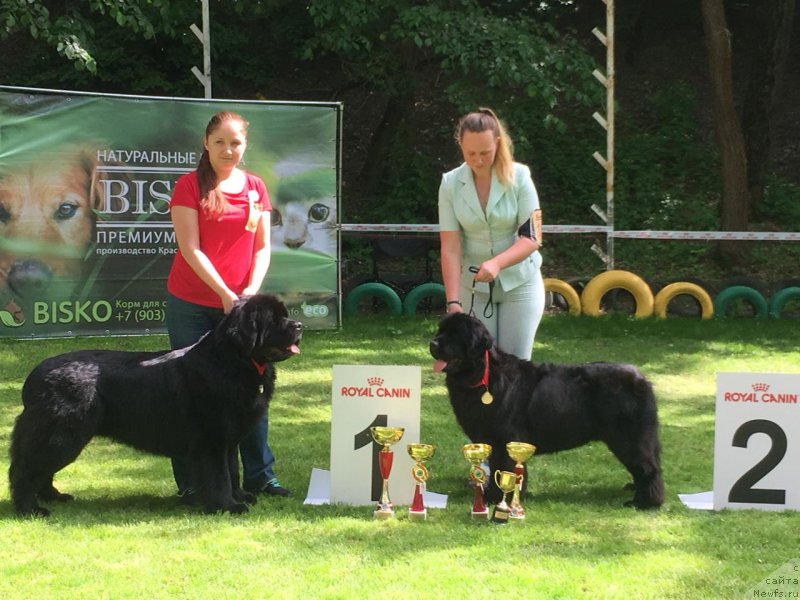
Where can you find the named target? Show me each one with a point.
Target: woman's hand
(488, 271)
(228, 299)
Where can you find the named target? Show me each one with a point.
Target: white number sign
(757, 441)
(364, 396)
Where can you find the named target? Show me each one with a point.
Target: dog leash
(488, 310)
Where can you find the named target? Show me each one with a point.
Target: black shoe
(274, 488)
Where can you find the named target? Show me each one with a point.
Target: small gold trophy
(519, 453)
(420, 453)
(506, 481)
(476, 454)
(386, 436)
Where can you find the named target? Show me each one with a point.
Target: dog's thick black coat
(554, 407)
(197, 402)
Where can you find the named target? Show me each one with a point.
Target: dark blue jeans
(187, 323)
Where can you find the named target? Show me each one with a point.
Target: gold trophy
(386, 436)
(420, 453)
(519, 453)
(476, 454)
(506, 481)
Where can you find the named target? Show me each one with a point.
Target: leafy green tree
(484, 53)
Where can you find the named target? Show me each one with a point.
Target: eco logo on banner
(86, 240)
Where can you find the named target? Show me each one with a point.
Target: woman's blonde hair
(212, 200)
(482, 120)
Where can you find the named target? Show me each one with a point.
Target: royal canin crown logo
(760, 387)
(372, 381)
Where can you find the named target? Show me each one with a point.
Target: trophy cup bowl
(386, 436)
(507, 482)
(476, 454)
(420, 453)
(519, 453)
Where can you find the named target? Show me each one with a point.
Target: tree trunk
(734, 205)
(767, 51)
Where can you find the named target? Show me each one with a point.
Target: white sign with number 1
(757, 441)
(364, 396)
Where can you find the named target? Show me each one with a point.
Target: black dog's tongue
(439, 366)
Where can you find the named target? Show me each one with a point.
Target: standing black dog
(197, 402)
(554, 407)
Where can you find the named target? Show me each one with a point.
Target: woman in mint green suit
(490, 234)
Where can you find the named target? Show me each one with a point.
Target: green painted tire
(668, 292)
(417, 294)
(779, 300)
(566, 291)
(600, 284)
(740, 292)
(376, 289)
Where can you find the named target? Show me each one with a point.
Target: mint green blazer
(484, 235)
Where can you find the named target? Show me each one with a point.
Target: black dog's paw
(238, 508)
(33, 512)
(53, 495)
(246, 497)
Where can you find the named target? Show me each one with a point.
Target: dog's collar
(486, 397)
(259, 367)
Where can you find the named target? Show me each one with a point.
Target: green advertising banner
(86, 240)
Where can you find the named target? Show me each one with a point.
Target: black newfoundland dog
(197, 402)
(554, 407)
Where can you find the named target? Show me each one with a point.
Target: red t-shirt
(224, 240)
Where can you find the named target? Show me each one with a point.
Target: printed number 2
(364, 438)
(743, 490)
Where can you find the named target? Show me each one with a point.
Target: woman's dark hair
(212, 200)
(482, 120)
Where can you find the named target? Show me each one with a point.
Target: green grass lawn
(127, 536)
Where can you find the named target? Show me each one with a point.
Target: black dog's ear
(240, 327)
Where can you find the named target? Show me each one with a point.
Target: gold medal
(487, 397)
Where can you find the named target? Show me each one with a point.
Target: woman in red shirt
(221, 217)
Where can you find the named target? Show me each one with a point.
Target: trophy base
(500, 516)
(417, 515)
(383, 514)
(481, 515)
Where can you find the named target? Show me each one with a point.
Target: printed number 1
(743, 490)
(364, 438)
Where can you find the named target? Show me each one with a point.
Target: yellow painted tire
(557, 286)
(668, 292)
(600, 284)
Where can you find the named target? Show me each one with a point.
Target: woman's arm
(187, 233)
(451, 267)
(262, 254)
(519, 251)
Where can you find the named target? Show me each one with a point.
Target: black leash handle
(488, 310)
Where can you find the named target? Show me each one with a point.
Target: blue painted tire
(419, 293)
(375, 289)
(740, 292)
